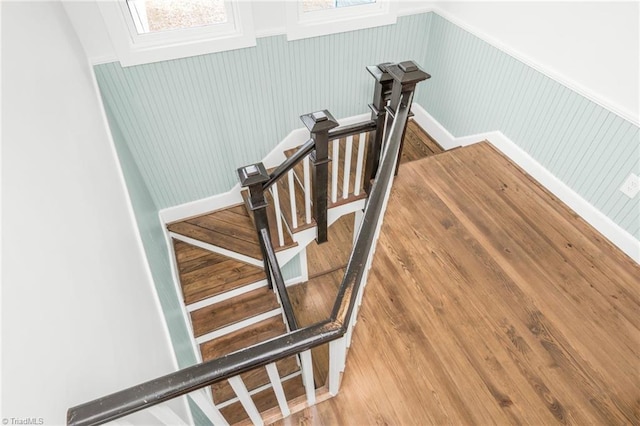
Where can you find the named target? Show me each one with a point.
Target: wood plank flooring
(417, 144)
(489, 302)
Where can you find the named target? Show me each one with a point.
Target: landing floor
(489, 302)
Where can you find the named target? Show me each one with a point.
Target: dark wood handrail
(352, 129)
(346, 298)
(182, 382)
(278, 280)
(289, 163)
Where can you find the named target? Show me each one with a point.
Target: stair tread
(248, 336)
(229, 228)
(205, 274)
(264, 400)
(231, 311)
(253, 379)
(271, 218)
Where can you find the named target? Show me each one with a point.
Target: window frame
(133, 48)
(302, 25)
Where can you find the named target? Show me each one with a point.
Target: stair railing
(335, 330)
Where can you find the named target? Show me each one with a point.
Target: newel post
(406, 75)
(319, 123)
(381, 94)
(253, 177)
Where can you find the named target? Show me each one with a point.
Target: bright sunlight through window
(165, 15)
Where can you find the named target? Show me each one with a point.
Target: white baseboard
(607, 227)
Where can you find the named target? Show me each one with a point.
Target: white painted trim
(414, 8)
(554, 75)
(204, 402)
(304, 265)
(245, 399)
(607, 227)
(136, 49)
(237, 326)
(226, 295)
(202, 206)
(336, 213)
(337, 357)
(301, 25)
(274, 377)
(175, 277)
(219, 250)
(306, 366)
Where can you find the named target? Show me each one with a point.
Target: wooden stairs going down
(224, 287)
(229, 302)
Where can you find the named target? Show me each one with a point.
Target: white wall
(592, 47)
(80, 318)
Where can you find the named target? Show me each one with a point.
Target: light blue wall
(189, 123)
(183, 127)
(151, 233)
(477, 88)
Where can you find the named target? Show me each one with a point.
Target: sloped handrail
(184, 381)
(278, 280)
(290, 163)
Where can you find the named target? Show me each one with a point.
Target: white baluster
(245, 399)
(272, 371)
(203, 401)
(292, 199)
(307, 376)
(276, 202)
(166, 415)
(307, 189)
(359, 163)
(337, 356)
(347, 167)
(357, 223)
(334, 170)
(352, 325)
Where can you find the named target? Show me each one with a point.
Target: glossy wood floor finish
(489, 302)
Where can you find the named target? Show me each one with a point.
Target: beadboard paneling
(189, 123)
(477, 88)
(150, 229)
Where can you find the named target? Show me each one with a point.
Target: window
(311, 18)
(144, 31)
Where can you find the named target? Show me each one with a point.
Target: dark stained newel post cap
(408, 73)
(380, 72)
(253, 174)
(319, 121)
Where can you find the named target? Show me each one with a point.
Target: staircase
(256, 362)
(227, 294)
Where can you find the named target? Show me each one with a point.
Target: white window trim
(136, 49)
(331, 21)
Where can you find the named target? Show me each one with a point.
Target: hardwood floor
(489, 302)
